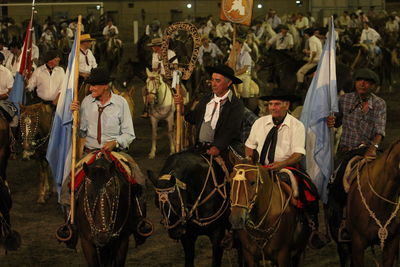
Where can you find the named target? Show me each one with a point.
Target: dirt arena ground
(37, 223)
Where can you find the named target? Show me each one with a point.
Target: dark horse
(4, 145)
(35, 127)
(372, 209)
(192, 197)
(104, 214)
(268, 224)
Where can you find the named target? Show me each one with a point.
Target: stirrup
(64, 232)
(321, 238)
(145, 224)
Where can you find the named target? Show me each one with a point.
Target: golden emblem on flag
(237, 11)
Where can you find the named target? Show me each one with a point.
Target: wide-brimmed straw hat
(155, 42)
(226, 71)
(86, 38)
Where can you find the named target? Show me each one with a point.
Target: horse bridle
(28, 132)
(106, 227)
(240, 180)
(185, 214)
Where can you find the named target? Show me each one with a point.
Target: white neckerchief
(212, 111)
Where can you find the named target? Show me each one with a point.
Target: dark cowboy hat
(280, 96)
(155, 42)
(366, 74)
(99, 76)
(50, 55)
(226, 71)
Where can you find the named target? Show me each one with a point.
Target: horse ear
(148, 72)
(152, 177)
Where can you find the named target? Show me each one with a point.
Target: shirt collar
(111, 101)
(286, 121)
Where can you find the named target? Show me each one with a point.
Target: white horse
(160, 100)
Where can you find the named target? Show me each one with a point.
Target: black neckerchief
(270, 142)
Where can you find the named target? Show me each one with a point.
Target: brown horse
(267, 224)
(105, 217)
(4, 145)
(373, 205)
(35, 130)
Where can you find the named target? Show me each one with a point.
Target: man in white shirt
(273, 19)
(48, 79)
(209, 47)
(87, 61)
(302, 22)
(370, 37)
(157, 62)
(243, 69)
(4, 50)
(224, 29)
(314, 52)
(283, 40)
(109, 29)
(344, 20)
(279, 139)
(13, 59)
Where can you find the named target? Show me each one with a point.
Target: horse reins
(185, 214)
(240, 178)
(382, 232)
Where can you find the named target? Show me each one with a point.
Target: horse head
(105, 199)
(35, 123)
(245, 183)
(153, 83)
(172, 202)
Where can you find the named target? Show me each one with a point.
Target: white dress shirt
(282, 42)
(291, 137)
(212, 48)
(157, 63)
(6, 80)
(47, 86)
(369, 36)
(106, 30)
(86, 67)
(315, 46)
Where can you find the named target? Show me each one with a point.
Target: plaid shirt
(248, 119)
(359, 127)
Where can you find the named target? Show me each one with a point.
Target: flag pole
(75, 115)
(332, 35)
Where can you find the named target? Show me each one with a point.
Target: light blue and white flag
(59, 150)
(321, 101)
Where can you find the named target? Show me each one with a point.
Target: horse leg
(170, 121)
(390, 253)
(154, 124)
(188, 242)
(122, 251)
(216, 239)
(90, 253)
(42, 182)
(283, 257)
(357, 251)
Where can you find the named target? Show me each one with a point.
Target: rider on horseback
(218, 116)
(47, 80)
(280, 142)
(106, 124)
(363, 118)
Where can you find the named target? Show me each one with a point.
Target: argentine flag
(59, 150)
(24, 66)
(321, 101)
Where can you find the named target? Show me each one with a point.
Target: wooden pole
(179, 120)
(75, 118)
